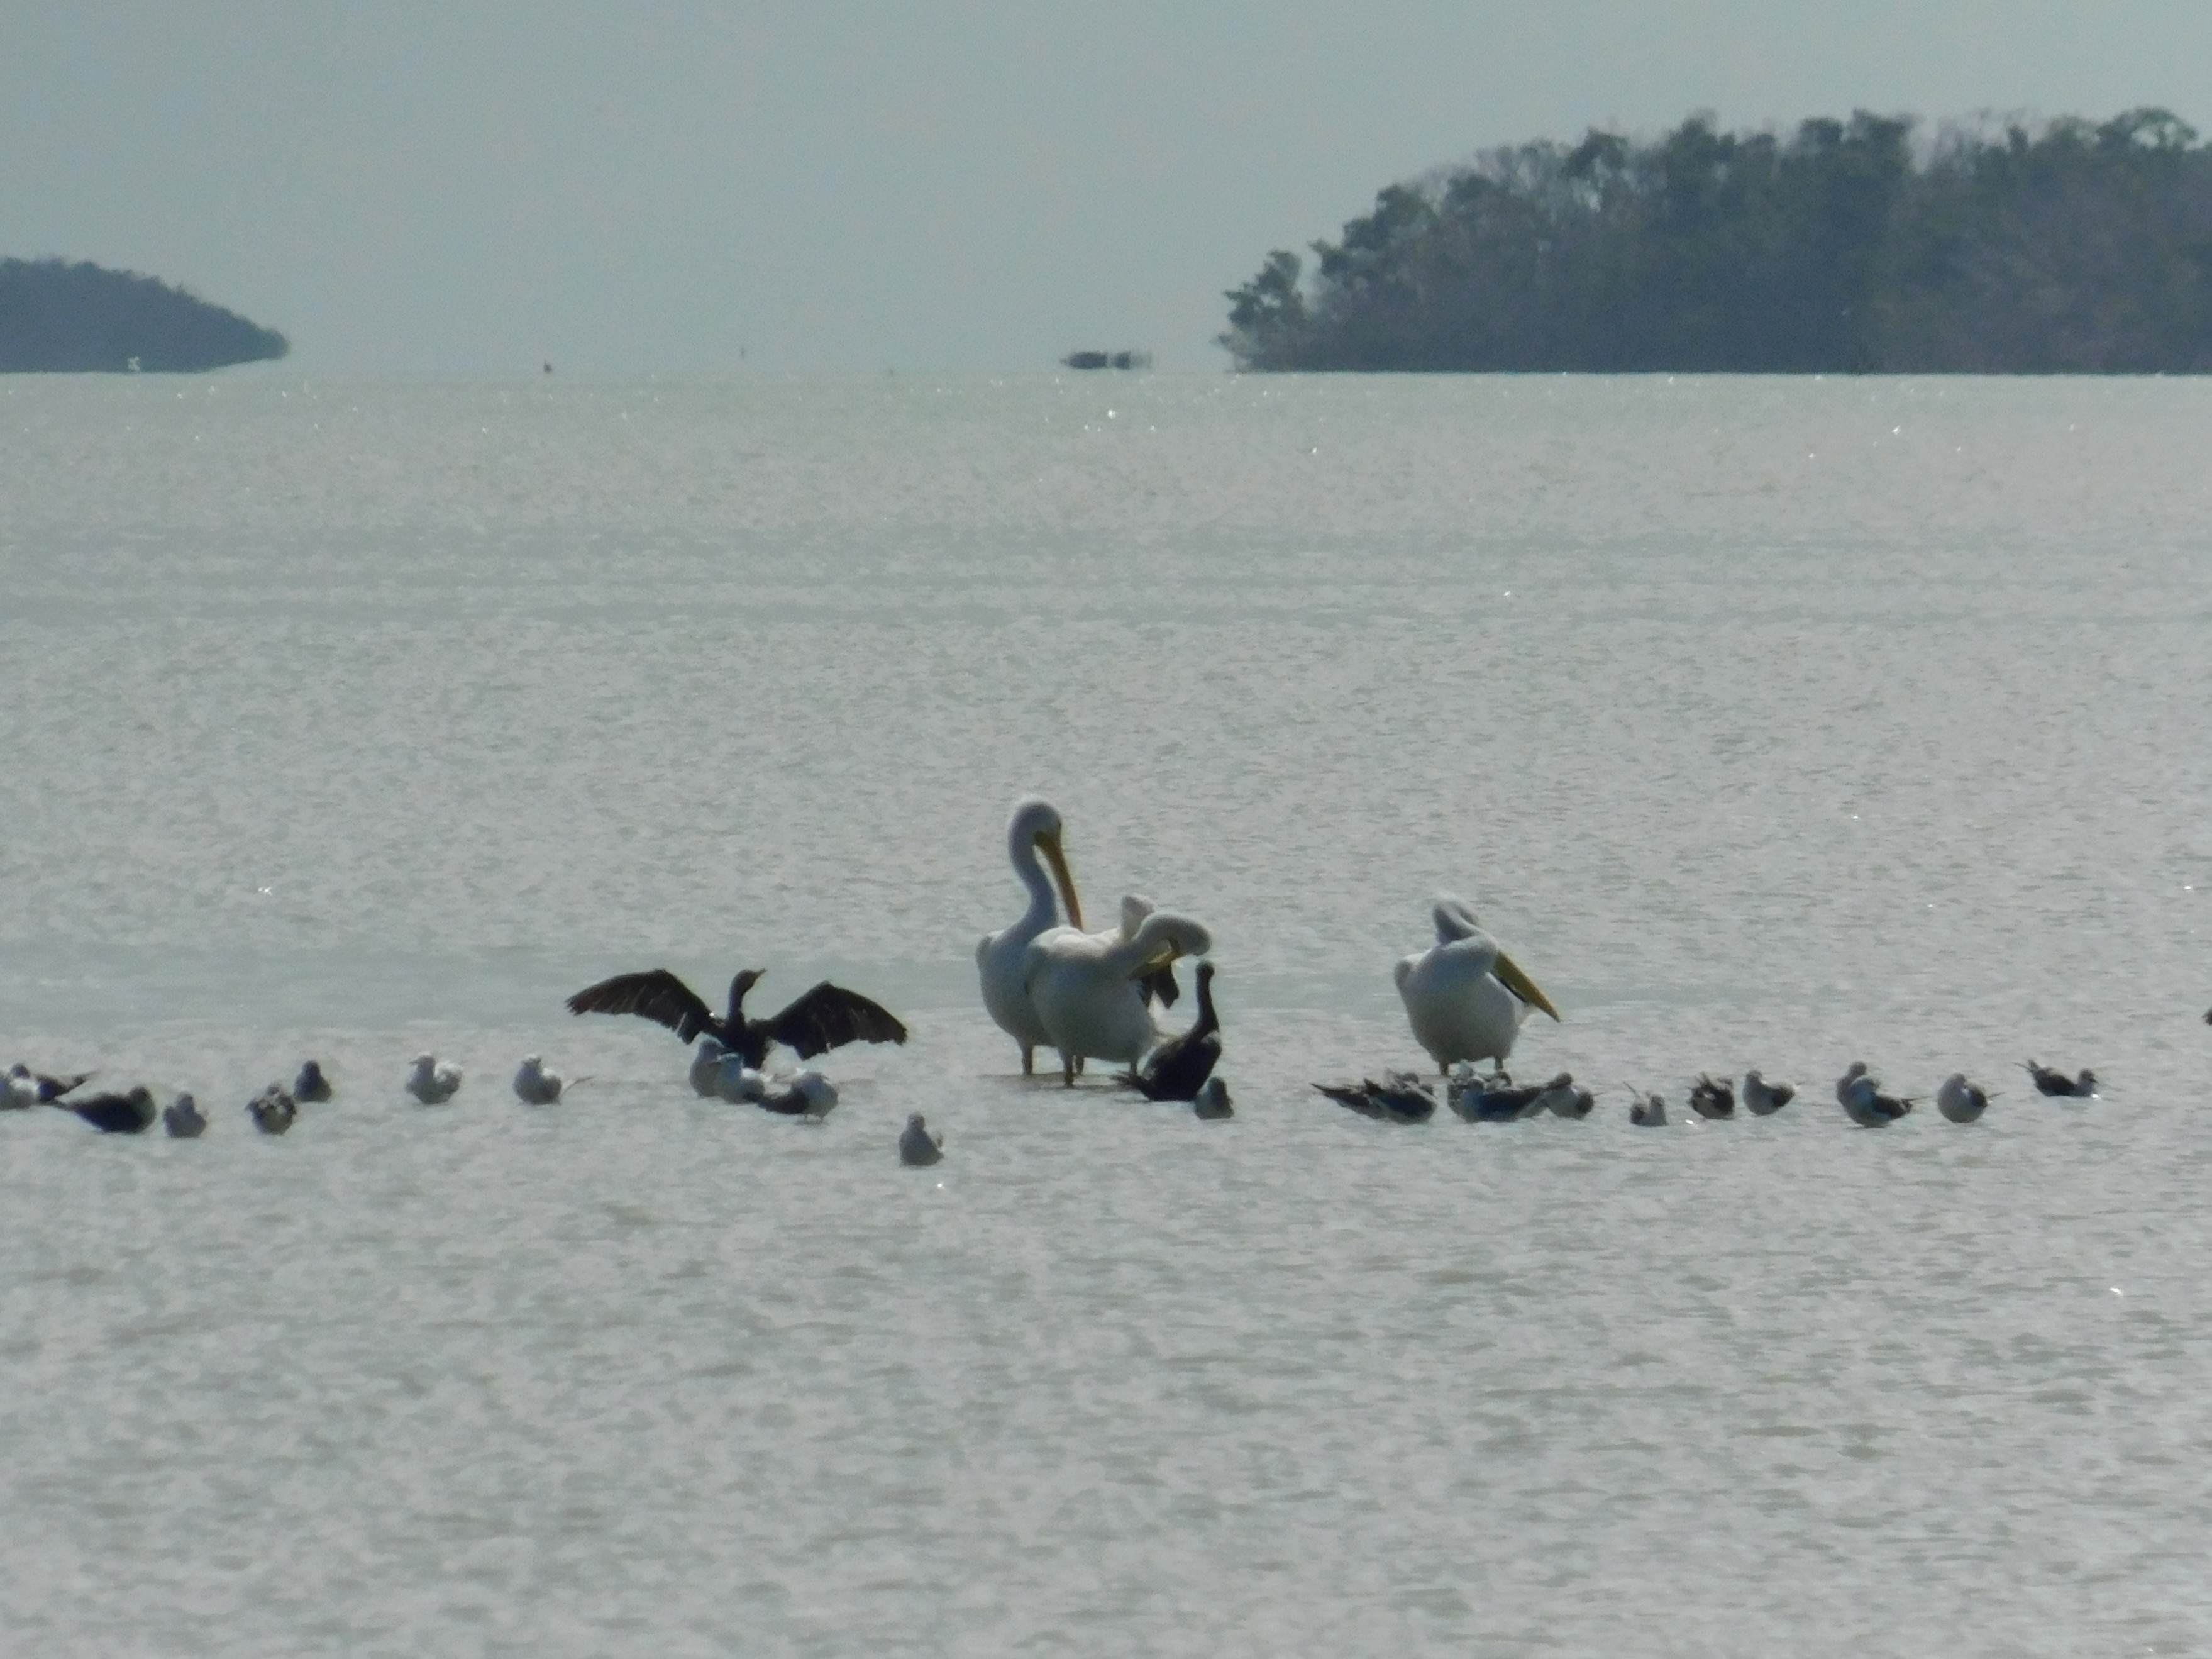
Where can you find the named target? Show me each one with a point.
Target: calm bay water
(1770, 722)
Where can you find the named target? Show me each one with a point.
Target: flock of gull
(1048, 983)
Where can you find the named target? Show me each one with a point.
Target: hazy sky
(853, 187)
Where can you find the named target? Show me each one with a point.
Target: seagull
(828, 1017)
(432, 1084)
(273, 1110)
(536, 1087)
(116, 1114)
(1764, 1099)
(28, 1088)
(1176, 1069)
(183, 1120)
(311, 1085)
(1959, 1100)
(810, 1095)
(1857, 1070)
(2061, 1086)
(1211, 1102)
(1869, 1107)
(918, 1148)
(1647, 1111)
(1708, 1098)
(1495, 1100)
(706, 1066)
(1575, 1101)
(1401, 1098)
(1464, 997)
(738, 1082)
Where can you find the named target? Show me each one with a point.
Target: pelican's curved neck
(1044, 905)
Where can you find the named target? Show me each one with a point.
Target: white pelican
(1084, 989)
(433, 1083)
(918, 1148)
(183, 1118)
(1034, 829)
(1464, 997)
(1960, 1101)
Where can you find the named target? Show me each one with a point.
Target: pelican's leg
(1029, 1060)
(1067, 1064)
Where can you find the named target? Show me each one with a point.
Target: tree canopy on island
(58, 317)
(2066, 248)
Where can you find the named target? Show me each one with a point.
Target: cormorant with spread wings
(828, 1017)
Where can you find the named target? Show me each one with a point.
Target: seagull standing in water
(1866, 1106)
(2059, 1086)
(918, 1148)
(1960, 1101)
(1647, 1111)
(1764, 1099)
(536, 1087)
(272, 1110)
(432, 1084)
(311, 1087)
(1212, 1102)
(183, 1119)
(1711, 1099)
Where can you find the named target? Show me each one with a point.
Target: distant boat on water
(1108, 360)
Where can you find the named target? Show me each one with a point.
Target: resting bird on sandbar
(311, 1085)
(917, 1148)
(26, 1088)
(1086, 992)
(1465, 998)
(1960, 1101)
(828, 1017)
(1764, 1099)
(1711, 1097)
(430, 1083)
(1401, 1098)
(1179, 1067)
(115, 1115)
(2059, 1086)
(1864, 1102)
(183, 1119)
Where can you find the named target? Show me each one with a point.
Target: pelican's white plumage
(1000, 958)
(1464, 997)
(1083, 985)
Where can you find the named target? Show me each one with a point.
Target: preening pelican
(1034, 828)
(1464, 997)
(1085, 986)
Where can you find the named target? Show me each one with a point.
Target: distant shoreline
(2064, 247)
(58, 317)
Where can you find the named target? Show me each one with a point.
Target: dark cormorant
(1178, 1068)
(828, 1017)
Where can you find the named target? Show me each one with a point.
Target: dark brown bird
(2058, 1085)
(1708, 1098)
(1178, 1068)
(828, 1017)
(1401, 1098)
(115, 1115)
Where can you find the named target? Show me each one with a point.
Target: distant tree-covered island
(58, 317)
(2066, 246)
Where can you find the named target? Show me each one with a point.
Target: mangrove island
(2063, 247)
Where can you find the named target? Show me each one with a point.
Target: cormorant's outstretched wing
(658, 996)
(828, 1016)
(1160, 986)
